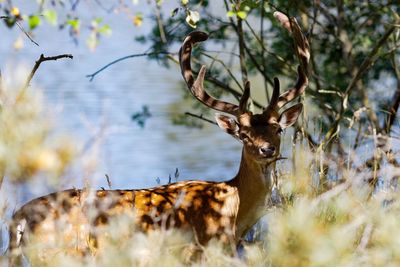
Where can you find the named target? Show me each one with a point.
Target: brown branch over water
(41, 59)
(21, 28)
(94, 74)
(26, 33)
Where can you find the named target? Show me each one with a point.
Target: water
(133, 157)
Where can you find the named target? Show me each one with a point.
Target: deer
(222, 210)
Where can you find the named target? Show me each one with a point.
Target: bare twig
(21, 28)
(200, 117)
(239, 31)
(226, 68)
(93, 75)
(41, 59)
(74, 5)
(102, 6)
(26, 33)
(160, 23)
(229, 89)
(263, 69)
(242, 58)
(262, 40)
(108, 181)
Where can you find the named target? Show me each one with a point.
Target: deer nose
(267, 151)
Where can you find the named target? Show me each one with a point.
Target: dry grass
(27, 144)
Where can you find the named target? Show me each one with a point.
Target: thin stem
(200, 117)
(93, 75)
(160, 24)
(242, 55)
(285, 63)
(226, 68)
(263, 60)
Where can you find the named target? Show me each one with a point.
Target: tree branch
(93, 75)
(226, 68)
(26, 33)
(41, 59)
(200, 117)
(21, 28)
(229, 89)
(242, 58)
(262, 40)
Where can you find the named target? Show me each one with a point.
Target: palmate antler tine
(196, 87)
(303, 53)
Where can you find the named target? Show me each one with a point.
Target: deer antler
(196, 87)
(302, 49)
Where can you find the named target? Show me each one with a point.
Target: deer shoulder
(207, 207)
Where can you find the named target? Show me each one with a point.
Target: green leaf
(185, 2)
(97, 21)
(50, 16)
(105, 30)
(92, 41)
(74, 23)
(174, 12)
(33, 21)
(241, 14)
(231, 13)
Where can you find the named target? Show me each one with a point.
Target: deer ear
(290, 116)
(227, 124)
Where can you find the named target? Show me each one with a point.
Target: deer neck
(253, 182)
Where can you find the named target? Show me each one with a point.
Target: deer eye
(244, 137)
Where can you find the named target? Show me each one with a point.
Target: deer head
(259, 133)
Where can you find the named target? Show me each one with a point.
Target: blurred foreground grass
(28, 146)
(345, 224)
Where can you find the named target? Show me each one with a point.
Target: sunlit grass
(27, 143)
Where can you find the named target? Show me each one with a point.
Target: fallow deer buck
(225, 210)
